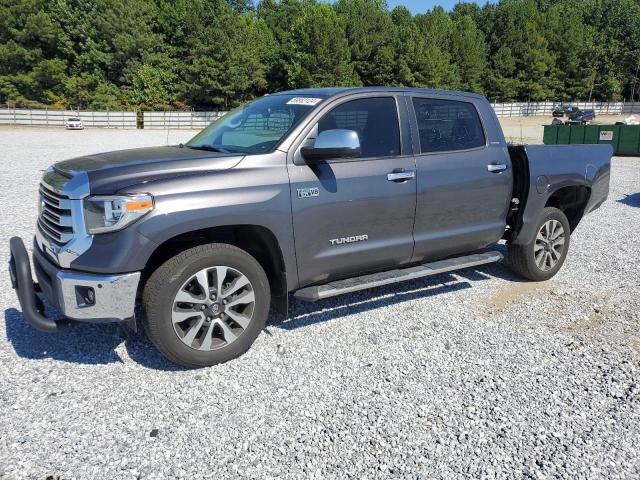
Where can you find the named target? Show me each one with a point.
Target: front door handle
(496, 168)
(401, 176)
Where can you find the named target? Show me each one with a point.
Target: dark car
(316, 193)
(582, 117)
(564, 110)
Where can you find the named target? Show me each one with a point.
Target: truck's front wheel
(543, 257)
(206, 305)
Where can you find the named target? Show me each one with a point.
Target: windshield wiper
(208, 148)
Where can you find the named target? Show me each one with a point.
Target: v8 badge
(308, 192)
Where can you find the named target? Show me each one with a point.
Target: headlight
(110, 213)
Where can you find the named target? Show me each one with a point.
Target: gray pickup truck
(315, 192)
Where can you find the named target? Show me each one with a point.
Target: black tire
(522, 257)
(159, 298)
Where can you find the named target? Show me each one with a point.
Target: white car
(74, 123)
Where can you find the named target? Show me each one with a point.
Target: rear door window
(447, 125)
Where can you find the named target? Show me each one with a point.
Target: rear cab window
(447, 125)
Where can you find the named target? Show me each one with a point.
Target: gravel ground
(473, 374)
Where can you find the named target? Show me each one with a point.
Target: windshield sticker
(304, 101)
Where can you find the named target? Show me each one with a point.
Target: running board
(339, 287)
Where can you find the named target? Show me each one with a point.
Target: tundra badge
(355, 238)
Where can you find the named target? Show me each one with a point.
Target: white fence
(530, 109)
(58, 118)
(198, 120)
(108, 119)
(175, 119)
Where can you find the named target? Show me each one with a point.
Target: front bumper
(78, 296)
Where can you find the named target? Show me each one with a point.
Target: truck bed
(576, 176)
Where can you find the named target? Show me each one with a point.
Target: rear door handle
(401, 176)
(496, 168)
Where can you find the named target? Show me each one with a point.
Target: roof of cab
(334, 91)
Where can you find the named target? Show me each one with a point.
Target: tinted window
(446, 125)
(374, 119)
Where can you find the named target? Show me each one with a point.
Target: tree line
(180, 54)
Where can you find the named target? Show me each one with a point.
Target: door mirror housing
(333, 144)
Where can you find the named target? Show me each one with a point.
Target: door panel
(355, 200)
(359, 219)
(462, 204)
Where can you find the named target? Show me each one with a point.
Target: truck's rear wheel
(206, 305)
(542, 258)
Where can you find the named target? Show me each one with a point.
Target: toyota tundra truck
(314, 193)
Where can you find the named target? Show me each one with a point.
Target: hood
(110, 172)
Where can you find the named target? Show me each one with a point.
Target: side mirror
(330, 144)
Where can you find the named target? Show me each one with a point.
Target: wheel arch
(572, 201)
(259, 241)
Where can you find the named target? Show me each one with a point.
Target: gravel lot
(473, 374)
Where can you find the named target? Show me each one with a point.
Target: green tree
(279, 16)
(571, 43)
(217, 53)
(226, 55)
(469, 53)
(370, 35)
(321, 55)
(436, 68)
(408, 49)
(616, 52)
(91, 90)
(519, 52)
(465, 9)
(30, 70)
(147, 90)
(124, 31)
(502, 83)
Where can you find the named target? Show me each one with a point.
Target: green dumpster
(591, 134)
(625, 139)
(629, 140)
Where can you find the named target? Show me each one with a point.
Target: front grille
(55, 220)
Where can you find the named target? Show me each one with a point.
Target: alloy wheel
(213, 308)
(549, 245)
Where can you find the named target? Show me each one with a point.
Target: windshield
(256, 127)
